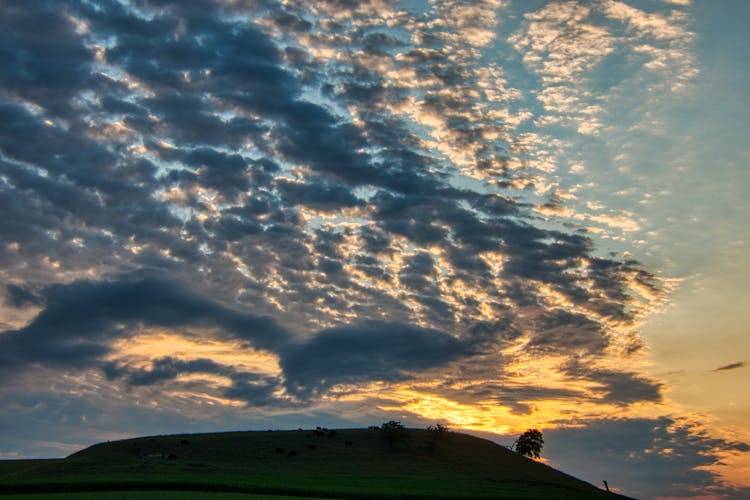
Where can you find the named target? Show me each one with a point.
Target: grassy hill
(351, 463)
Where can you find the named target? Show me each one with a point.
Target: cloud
(617, 387)
(80, 321)
(253, 389)
(565, 332)
(200, 143)
(324, 195)
(207, 147)
(166, 368)
(18, 296)
(730, 366)
(568, 44)
(522, 398)
(366, 352)
(643, 457)
(45, 61)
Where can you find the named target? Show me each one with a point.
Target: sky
(496, 215)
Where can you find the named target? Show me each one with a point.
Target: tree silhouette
(529, 443)
(438, 429)
(436, 433)
(392, 432)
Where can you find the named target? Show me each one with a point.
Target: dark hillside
(354, 463)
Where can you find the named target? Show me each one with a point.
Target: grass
(149, 495)
(351, 463)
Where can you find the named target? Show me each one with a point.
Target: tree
(529, 443)
(436, 433)
(438, 429)
(392, 432)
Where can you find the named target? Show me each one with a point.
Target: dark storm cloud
(521, 399)
(623, 388)
(563, 331)
(256, 390)
(730, 366)
(366, 352)
(645, 458)
(18, 296)
(252, 388)
(166, 368)
(80, 321)
(619, 387)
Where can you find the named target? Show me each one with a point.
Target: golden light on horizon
(140, 350)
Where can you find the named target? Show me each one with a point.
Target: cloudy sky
(498, 214)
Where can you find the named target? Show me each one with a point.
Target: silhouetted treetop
(529, 443)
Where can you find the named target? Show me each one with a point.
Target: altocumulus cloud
(302, 200)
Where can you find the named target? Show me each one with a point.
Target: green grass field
(321, 464)
(149, 495)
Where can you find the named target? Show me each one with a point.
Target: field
(149, 495)
(354, 463)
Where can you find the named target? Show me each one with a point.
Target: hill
(348, 463)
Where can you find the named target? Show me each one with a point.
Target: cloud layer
(290, 164)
